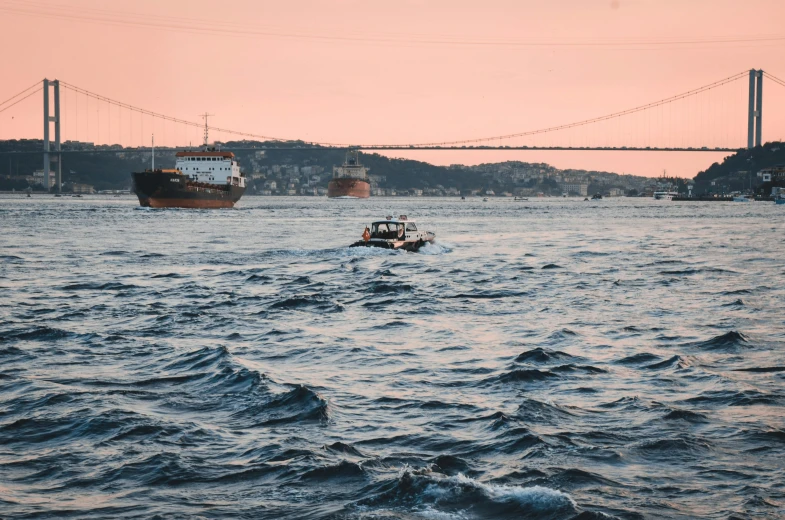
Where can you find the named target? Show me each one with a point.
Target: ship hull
(348, 189)
(171, 190)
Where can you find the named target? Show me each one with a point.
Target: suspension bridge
(723, 116)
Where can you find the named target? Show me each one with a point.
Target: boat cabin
(393, 229)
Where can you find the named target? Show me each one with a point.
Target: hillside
(109, 167)
(736, 170)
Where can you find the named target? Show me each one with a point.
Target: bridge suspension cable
(36, 84)
(629, 111)
(479, 140)
(164, 117)
(775, 79)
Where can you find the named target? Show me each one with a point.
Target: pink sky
(404, 71)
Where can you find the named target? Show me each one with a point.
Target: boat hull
(405, 245)
(348, 189)
(171, 190)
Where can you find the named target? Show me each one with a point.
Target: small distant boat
(585, 199)
(485, 199)
(521, 199)
(780, 199)
(665, 195)
(392, 233)
(741, 198)
(596, 196)
(463, 198)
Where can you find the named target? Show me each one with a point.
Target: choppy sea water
(554, 359)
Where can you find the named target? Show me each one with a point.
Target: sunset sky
(402, 72)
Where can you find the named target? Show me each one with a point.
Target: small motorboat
(780, 199)
(395, 233)
(596, 196)
(520, 199)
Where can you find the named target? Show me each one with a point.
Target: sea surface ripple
(554, 359)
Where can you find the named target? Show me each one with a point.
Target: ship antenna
(206, 128)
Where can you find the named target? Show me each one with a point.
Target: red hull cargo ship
(205, 179)
(350, 181)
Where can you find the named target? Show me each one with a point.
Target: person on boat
(366, 234)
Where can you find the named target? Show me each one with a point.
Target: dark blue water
(551, 359)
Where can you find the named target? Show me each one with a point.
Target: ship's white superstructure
(210, 167)
(351, 168)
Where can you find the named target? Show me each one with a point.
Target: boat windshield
(385, 230)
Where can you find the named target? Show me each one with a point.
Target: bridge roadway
(384, 148)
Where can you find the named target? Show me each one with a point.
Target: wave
(685, 415)
(416, 491)
(300, 404)
(258, 278)
(342, 470)
(450, 465)
(538, 411)
(734, 398)
(39, 334)
(314, 301)
(107, 286)
(572, 368)
(435, 248)
(343, 449)
(675, 446)
(168, 275)
(488, 295)
(552, 266)
(760, 369)
(691, 271)
(730, 341)
(388, 288)
(541, 355)
(671, 362)
(636, 359)
(524, 375)
(573, 478)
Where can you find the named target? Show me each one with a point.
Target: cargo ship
(350, 180)
(208, 178)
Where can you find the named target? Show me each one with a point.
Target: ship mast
(206, 128)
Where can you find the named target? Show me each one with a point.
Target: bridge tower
(56, 120)
(755, 111)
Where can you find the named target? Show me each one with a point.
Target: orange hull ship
(350, 181)
(349, 189)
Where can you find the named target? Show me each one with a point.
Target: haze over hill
(306, 171)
